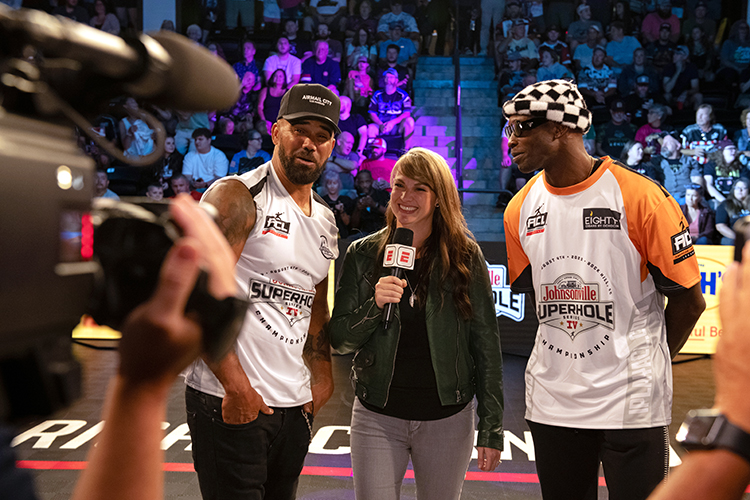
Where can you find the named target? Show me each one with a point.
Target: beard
(296, 174)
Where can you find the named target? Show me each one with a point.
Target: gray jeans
(440, 451)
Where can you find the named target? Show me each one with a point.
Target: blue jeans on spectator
(258, 460)
(440, 451)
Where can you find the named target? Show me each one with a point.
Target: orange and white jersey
(598, 257)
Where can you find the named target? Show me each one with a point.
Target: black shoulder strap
(256, 188)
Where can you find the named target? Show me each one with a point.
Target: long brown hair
(450, 246)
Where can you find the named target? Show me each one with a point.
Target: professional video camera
(55, 73)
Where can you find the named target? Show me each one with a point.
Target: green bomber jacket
(465, 355)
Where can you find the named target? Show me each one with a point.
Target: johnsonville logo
(601, 218)
(316, 100)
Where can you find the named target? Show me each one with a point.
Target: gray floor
(327, 467)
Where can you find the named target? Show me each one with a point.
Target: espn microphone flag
(399, 255)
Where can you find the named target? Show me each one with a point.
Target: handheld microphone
(399, 255)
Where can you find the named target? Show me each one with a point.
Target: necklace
(413, 296)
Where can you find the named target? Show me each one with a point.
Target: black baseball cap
(311, 100)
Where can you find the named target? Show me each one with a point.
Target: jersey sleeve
(518, 262)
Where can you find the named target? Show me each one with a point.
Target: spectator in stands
(379, 166)
(632, 155)
(171, 163)
(224, 138)
(321, 68)
(699, 19)
(359, 83)
(355, 124)
(612, 136)
(653, 23)
(397, 15)
(659, 53)
(701, 219)
(677, 170)
(251, 157)
(680, 80)
(620, 47)
(73, 11)
(269, 100)
(736, 206)
(271, 16)
(104, 19)
(391, 62)
(639, 103)
(656, 115)
(519, 43)
(513, 12)
(578, 31)
(621, 13)
(244, 108)
(742, 136)
(723, 168)
(597, 82)
(390, 110)
(167, 25)
(341, 205)
(559, 13)
(549, 68)
(627, 81)
(511, 79)
(368, 214)
(187, 123)
(137, 137)
(362, 45)
(434, 16)
(299, 46)
(248, 63)
(206, 164)
(561, 48)
(329, 12)
(407, 54)
(181, 184)
(735, 56)
(702, 54)
(195, 33)
(101, 186)
(363, 20)
(335, 48)
(291, 65)
(155, 192)
(704, 134)
(584, 53)
(493, 12)
(344, 160)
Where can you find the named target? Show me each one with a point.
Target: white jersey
(598, 256)
(286, 255)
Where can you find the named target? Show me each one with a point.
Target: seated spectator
(549, 68)
(359, 84)
(584, 53)
(247, 64)
(187, 123)
(511, 80)
(702, 54)
(167, 25)
(734, 56)
(244, 108)
(341, 205)
(269, 100)
(104, 19)
(251, 157)
(630, 22)
(680, 81)
(329, 12)
(206, 164)
(368, 215)
(299, 46)
(390, 110)
(291, 65)
(181, 184)
(513, 12)
(701, 219)
(742, 137)
(378, 165)
(632, 156)
(343, 160)
(561, 48)
(578, 31)
(363, 20)
(397, 15)
(335, 48)
(659, 53)
(653, 23)
(321, 68)
(170, 164)
(137, 138)
(733, 208)
(355, 124)
(620, 47)
(723, 168)
(640, 103)
(155, 192)
(362, 45)
(612, 136)
(407, 54)
(391, 62)
(700, 20)
(519, 43)
(216, 49)
(704, 134)
(676, 169)
(597, 82)
(73, 11)
(657, 113)
(626, 82)
(101, 186)
(194, 33)
(224, 138)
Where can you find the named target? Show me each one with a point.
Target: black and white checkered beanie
(557, 100)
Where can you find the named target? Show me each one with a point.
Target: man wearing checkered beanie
(596, 247)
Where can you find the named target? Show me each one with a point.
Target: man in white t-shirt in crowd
(206, 164)
(291, 65)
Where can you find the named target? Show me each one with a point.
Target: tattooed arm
(236, 212)
(317, 351)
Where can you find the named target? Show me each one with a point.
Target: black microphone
(399, 255)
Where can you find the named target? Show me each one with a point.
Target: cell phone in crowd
(742, 234)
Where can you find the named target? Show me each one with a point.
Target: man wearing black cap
(250, 416)
(596, 247)
(659, 53)
(612, 136)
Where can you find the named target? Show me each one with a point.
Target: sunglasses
(520, 129)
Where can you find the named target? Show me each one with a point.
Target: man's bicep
(236, 212)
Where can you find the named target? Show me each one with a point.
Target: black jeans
(635, 461)
(258, 460)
